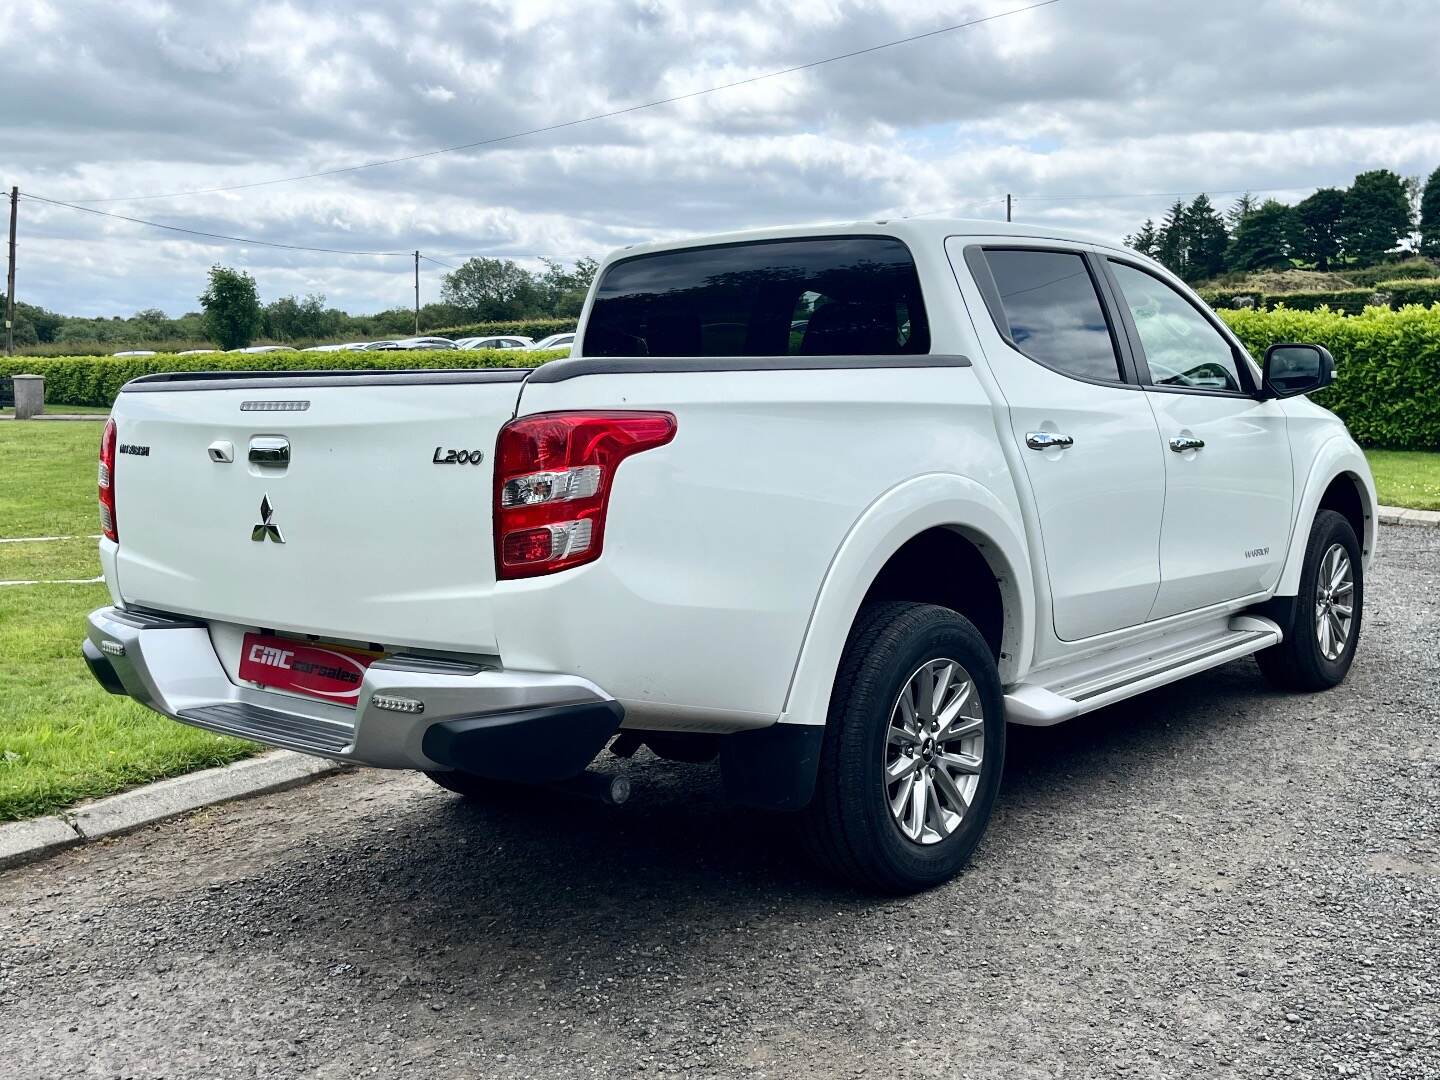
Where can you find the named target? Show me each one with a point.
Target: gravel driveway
(1214, 880)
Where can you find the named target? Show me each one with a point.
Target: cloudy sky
(1107, 99)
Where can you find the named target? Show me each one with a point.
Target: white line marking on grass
(39, 539)
(62, 581)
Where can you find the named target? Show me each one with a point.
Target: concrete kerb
(38, 838)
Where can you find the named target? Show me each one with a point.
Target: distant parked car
(426, 343)
(135, 352)
(196, 352)
(382, 346)
(264, 349)
(513, 341)
(325, 348)
(554, 341)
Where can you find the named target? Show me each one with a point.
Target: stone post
(29, 396)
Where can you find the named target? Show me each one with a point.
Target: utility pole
(417, 294)
(1007, 206)
(10, 276)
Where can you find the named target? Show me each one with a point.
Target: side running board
(1065, 696)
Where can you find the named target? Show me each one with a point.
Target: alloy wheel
(934, 750)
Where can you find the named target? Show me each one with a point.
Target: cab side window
(1050, 310)
(1181, 347)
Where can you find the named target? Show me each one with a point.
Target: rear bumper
(471, 718)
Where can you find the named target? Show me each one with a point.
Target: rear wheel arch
(945, 567)
(953, 514)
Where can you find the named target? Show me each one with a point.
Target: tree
(232, 308)
(1376, 216)
(1265, 238)
(563, 291)
(1319, 219)
(1146, 241)
(1240, 209)
(289, 319)
(1172, 250)
(491, 289)
(1430, 217)
(1206, 240)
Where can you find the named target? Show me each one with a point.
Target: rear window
(831, 296)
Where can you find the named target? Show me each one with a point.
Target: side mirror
(1292, 369)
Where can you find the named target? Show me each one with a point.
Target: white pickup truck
(833, 504)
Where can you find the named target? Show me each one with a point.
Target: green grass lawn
(1408, 478)
(68, 410)
(47, 478)
(62, 738)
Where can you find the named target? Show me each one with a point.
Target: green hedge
(531, 328)
(1387, 367)
(1350, 301)
(1404, 292)
(96, 380)
(1405, 270)
(1225, 298)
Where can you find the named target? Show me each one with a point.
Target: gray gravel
(1215, 880)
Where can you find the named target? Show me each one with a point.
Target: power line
(1158, 194)
(207, 235)
(610, 114)
(437, 262)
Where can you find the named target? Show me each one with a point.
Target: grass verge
(1407, 478)
(52, 560)
(47, 480)
(62, 738)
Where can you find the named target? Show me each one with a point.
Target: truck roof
(909, 229)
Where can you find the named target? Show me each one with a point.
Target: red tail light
(553, 473)
(107, 482)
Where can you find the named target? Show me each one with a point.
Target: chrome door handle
(1181, 443)
(1045, 440)
(270, 450)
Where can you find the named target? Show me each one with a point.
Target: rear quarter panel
(717, 544)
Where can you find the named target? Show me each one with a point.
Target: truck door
(1229, 483)
(1083, 428)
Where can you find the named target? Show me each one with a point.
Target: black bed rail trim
(561, 370)
(551, 372)
(166, 382)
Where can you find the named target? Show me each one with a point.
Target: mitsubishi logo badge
(266, 527)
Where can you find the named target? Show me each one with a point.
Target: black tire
(849, 826)
(1298, 662)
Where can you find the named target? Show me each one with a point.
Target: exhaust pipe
(608, 788)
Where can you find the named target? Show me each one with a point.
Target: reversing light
(553, 475)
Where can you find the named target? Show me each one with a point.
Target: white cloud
(1082, 97)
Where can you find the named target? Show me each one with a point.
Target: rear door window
(823, 296)
(1050, 310)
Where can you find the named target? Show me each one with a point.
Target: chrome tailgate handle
(270, 450)
(1047, 440)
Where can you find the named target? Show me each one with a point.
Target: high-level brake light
(553, 474)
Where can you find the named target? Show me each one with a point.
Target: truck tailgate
(372, 530)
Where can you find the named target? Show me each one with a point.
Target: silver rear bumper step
(1062, 697)
(171, 665)
(308, 734)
